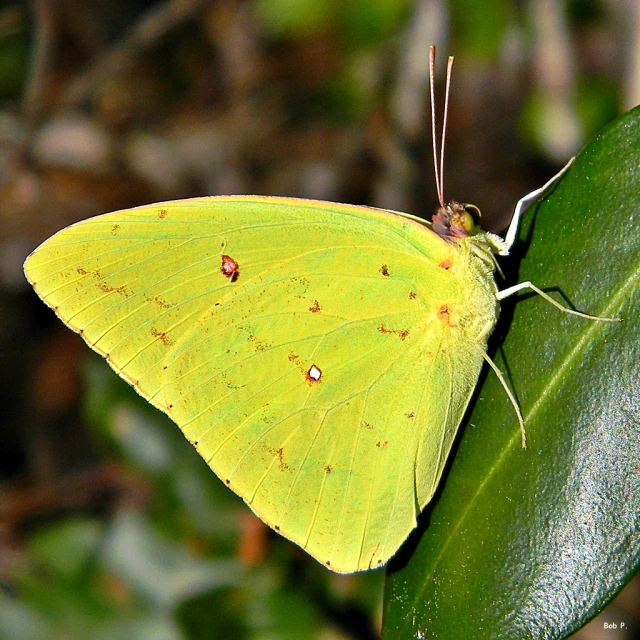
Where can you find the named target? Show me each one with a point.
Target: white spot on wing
(315, 373)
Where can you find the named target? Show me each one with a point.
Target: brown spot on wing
(230, 268)
(115, 229)
(259, 345)
(121, 290)
(162, 336)
(159, 301)
(83, 272)
(412, 295)
(315, 307)
(279, 453)
(446, 264)
(293, 357)
(328, 468)
(231, 385)
(409, 415)
(301, 284)
(162, 213)
(401, 333)
(382, 444)
(384, 270)
(445, 315)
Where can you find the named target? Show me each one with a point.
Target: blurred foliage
(357, 25)
(14, 52)
(481, 26)
(111, 526)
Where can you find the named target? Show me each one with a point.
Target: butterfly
(319, 356)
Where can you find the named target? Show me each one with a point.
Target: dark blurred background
(110, 524)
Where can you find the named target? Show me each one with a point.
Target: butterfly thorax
(457, 223)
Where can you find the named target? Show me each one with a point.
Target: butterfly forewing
(319, 356)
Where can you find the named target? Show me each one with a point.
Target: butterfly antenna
(432, 82)
(444, 125)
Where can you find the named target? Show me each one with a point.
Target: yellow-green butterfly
(319, 356)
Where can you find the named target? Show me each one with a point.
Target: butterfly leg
(486, 330)
(525, 202)
(505, 293)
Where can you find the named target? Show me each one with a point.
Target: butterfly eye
(473, 211)
(462, 221)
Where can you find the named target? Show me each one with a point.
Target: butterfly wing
(310, 351)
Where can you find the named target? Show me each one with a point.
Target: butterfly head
(456, 220)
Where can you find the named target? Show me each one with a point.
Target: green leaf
(18, 621)
(159, 570)
(533, 543)
(66, 548)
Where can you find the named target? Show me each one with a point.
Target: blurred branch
(43, 42)
(409, 104)
(561, 131)
(77, 491)
(153, 25)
